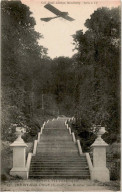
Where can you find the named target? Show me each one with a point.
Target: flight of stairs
(57, 155)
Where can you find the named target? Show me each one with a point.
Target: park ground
(60, 185)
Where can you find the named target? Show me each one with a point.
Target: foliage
(21, 56)
(98, 65)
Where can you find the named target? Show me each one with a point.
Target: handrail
(35, 146)
(69, 130)
(90, 165)
(39, 136)
(28, 163)
(79, 147)
(34, 150)
(41, 130)
(73, 137)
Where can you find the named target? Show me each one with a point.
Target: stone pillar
(100, 172)
(19, 158)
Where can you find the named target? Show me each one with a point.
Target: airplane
(57, 12)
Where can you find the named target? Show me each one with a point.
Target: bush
(4, 177)
(28, 138)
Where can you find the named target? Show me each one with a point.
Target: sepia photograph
(60, 96)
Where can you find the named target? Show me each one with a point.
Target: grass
(112, 185)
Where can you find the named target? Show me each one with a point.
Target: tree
(21, 54)
(98, 62)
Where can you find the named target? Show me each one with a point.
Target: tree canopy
(98, 61)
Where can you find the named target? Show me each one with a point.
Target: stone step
(54, 126)
(56, 139)
(67, 158)
(70, 175)
(59, 166)
(62, 166)
(57, 155)
(61, 150)
(57, 161)
(54, 151)
(55, 146)
(47, 137)
(51, 133)
(59, 158)
(59, 176)
(68, 137)
(47, 163)
(52, 130)
(65, 172)
(56, 143)
(58, 173)
(58, 169)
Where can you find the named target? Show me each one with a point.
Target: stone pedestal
(100, 172)
(19, 158)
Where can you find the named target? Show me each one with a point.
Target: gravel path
(54, 185)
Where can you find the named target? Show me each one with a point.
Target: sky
(58, 33)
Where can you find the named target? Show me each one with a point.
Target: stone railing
(98, 169)
(90, 165)
(73, 135)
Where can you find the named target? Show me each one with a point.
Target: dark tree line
(85, 86)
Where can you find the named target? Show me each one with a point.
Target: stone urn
(99, 133)
(19, 132)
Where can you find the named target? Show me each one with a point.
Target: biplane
(57, 12)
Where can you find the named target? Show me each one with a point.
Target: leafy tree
(98, 63)
(21, 54)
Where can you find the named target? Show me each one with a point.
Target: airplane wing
(58, 12)
(68, 18)
(53, 9)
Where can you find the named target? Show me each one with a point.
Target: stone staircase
(57, 155)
